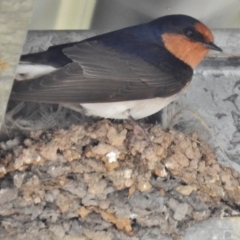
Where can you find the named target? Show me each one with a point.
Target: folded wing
(101, 74)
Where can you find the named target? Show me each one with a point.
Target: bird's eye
(189, 32)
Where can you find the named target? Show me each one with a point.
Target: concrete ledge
(14, 19)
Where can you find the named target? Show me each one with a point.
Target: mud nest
(102, 181)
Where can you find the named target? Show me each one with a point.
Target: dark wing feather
(101, 74)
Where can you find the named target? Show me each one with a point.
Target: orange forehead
(205, 31)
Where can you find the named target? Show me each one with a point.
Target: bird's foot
(137, 129)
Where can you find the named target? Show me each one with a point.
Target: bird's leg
(137, 128)
(59, 108)
(75, 107)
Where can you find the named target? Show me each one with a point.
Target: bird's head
(186, 38)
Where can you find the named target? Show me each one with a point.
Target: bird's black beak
(212, 46)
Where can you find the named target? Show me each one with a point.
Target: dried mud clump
(103, 181)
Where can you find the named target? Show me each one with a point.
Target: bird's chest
(121, 110)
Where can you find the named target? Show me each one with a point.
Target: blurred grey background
(114, 14)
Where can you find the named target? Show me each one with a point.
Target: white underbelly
(121, 110)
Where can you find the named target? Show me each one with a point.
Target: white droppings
(128, 173)
(112, 156)
(133, 216)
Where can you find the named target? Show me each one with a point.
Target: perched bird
(129, 73)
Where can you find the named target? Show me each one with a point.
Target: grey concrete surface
(215, 229)
(14, 19)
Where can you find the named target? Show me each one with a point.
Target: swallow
(129, 73)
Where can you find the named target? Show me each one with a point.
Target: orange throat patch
(192, 53)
